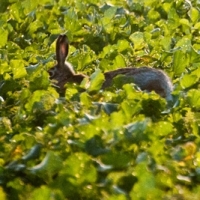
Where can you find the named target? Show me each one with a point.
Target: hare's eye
(51, 73)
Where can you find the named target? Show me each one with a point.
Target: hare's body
(146, 78)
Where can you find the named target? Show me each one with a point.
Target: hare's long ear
(62, 48)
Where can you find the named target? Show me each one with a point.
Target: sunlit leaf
(163, 128)
(71, 20)
(185, 22)
(79, 165)
(39, 80)
(119, 61)
(97, 79)
(40, 100)
(173, 18)
(130, 107)
(3, 36)
(122, 45)
(180, 61)
(153, 15)
(138, 40)
(18, 68)
(184, 44)
(45, 192)
(117, 119)
(147, 181)
(110, 13)
(194, 56)
(85, 99)
(194, 14)
(188, 80)
(193, 98)
(2, 194)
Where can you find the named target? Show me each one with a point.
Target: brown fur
(146, 78)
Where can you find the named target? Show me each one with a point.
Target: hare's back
(146, 78)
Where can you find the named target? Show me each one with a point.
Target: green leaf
(49, 166)
(119, 61)
(185, 44)
(39, 80)
(130, 107)
(84, 58)
(85, 99)
(137, 131)
(96, 81)
(117, 119)
(163, 128)
(153, 15)
(110, 12)
(122, 45)
(34, 26)
(108, 18)
(138, 40)
(4, 68)
(166, 43)
(18, 68)
(153, 105)
(193, 98)
(2, 194)
(40, 100)
(4, 5)
(188, 80)
(185, 22)
(41, 193)
(95, 147)
(46, 193)
(71, 20)
(180, 62)
(71, 92)
(195, 56)
(146, 181)
(117, 197)
(116, 160)
(4, 37)
(79, 166)
(173, 18)
(194, 14)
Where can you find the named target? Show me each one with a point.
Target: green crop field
(119, 143)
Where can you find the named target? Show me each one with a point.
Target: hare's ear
(62, 48)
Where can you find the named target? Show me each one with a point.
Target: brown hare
(146, 78)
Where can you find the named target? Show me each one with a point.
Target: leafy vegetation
(119, 143)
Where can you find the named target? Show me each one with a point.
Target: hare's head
(63, 71)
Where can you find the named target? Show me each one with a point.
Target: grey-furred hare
(145, 78)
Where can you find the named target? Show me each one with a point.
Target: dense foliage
(120, 143)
